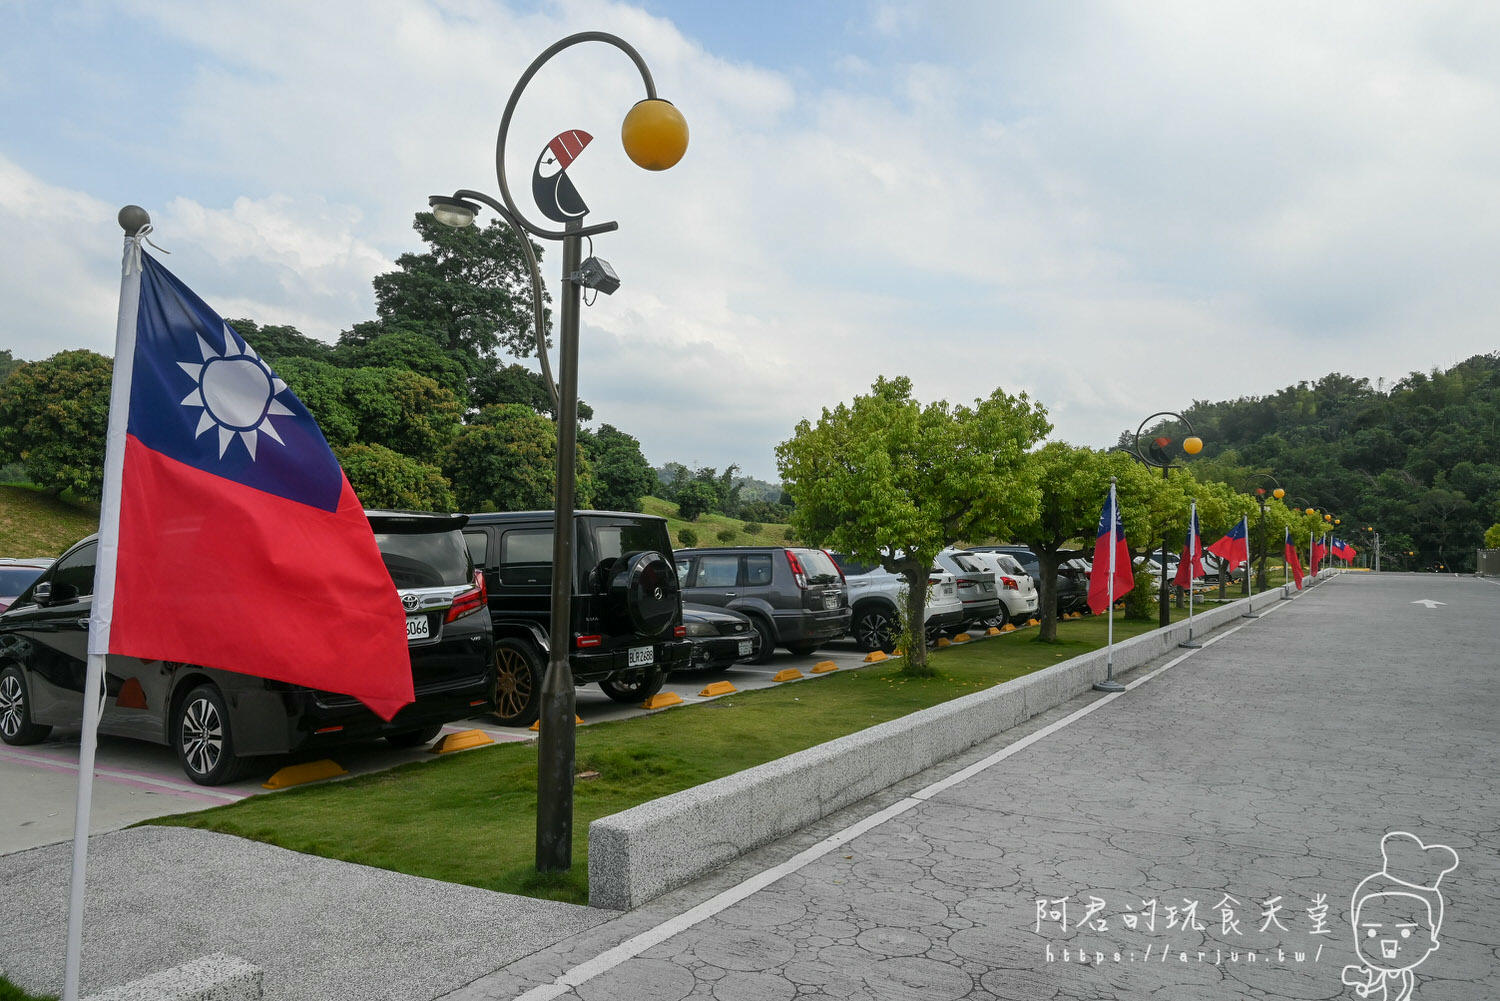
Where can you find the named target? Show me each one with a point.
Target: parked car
(17, 575)
(876, 595)
(794, 597)
(1018, 593)
(1071, 583)
(627, 627)
(977, 588)
(220, 721)
(719, 636)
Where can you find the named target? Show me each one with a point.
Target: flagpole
(136, 223)
(1109, 684)
(1250, 613)
(1310, 561)
(1193, 544)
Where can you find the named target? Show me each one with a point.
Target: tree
(502, 384)
(622, 476)
(695, 498)
(889, 480)
(505, 461)
(387, 479)
(8, 364)
(53, 416)
(470, 291)
(1072, 485)
(380, 345)
(274, 343)
(1492, 536)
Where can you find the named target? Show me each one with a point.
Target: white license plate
(830, 601)
(417, 627)
(640, 656)
(745, 648)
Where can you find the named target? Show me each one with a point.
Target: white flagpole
(136, 224)
(1250, 613)
(1109, 684)
(1311, 569)
(1194, 550)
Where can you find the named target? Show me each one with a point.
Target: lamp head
(1328, 517)
(1309, 511)
(1192, 445)
(1278, 493)
(595, 273)
(654, 134)
(452, 211)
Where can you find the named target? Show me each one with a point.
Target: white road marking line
(637, 944)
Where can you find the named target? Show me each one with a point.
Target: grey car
(794, 597)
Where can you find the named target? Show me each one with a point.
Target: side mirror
(48, 593)
(42, 593)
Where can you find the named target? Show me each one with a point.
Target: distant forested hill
(1419, 462)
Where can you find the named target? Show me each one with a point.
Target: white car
(875, 594)
(1018, 594)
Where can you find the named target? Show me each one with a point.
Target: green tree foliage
(385, 478)
(501, 384)
(275, 343)
(53, 416)
(470, 291)
(378, 345)
(622, 476)
(505, 461)
(1492, 536)
(695, 498)
(8, 364)
(890, 480)
(687, 536)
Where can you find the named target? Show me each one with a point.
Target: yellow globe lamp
(1278, 493)
(1328, 517)
(1309, 511)
(1336, 521)
(1192, 445)
(654, 134)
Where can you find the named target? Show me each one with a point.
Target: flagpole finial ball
(1112, 479)
(1193, 445)
(133, 219)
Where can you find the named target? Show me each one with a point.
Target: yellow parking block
(875, 657)
(824, 666)
(717, 688)
(790, 674)
(992, 631)
(1033, 622)
(461, 741)
(537, 726)
(1008, 628)
(961, 638)
(662, 700)
(311, 771)
(944, 641)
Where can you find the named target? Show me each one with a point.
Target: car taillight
(679, 632)
(796, 565)
(588, 641)
(842, 579)
(1010, 583)
(470, 601)
(964, 581)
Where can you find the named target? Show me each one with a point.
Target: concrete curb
(641, 853)
(219, 977)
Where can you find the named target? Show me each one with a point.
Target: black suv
(627, 606)
(219, 721)
(793, 597)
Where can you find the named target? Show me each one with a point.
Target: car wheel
(802, 649)
(203, 740)
(635, 685)
(999, 619)
(874, 629)
(414, 738)
(767, 640)
(15, 710)
(518, 682)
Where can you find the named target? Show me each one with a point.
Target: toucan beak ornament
(554, 193)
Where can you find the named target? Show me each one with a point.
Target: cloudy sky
(1116, 207)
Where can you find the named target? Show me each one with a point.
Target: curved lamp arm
(537, 289)
(1142, 426)
(510, 107)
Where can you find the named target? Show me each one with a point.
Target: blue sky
(1117, 207)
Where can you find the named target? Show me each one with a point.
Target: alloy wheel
(512, 682)
(202, 735)
(12, 701)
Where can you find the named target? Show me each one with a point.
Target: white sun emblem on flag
(237, 393)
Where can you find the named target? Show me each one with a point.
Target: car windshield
(816, 565)
(14, 580)
(425, 559)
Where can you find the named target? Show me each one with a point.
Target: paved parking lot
(136, 781)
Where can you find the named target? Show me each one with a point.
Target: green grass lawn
(471, 818)
(10, 992)
(33, 523)
(708, 526)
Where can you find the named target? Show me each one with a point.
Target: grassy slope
(471, 818)
(708, 526)
(35, 524)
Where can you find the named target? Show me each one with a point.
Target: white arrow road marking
(1428, 602)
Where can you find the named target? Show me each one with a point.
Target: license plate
(745, 648)
(641, 656)
(830, 601)
(417, 627)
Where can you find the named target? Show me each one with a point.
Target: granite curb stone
(219, 977)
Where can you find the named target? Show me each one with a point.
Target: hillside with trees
(1418, 461)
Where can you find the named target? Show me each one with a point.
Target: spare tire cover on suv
(644, 593)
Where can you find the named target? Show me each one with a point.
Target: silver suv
(793, 597)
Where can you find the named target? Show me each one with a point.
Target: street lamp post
(654, 135)
(1260, 498)
(1157, 454)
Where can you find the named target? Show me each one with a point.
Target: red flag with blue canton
(242, 545)
(1190, 563)
(1318, 552)
(1293, 559)
(1343, 550)
(1234, 548)
(1124, 579)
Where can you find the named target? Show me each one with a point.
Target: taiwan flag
(1293, 560)
(1110, 546)
(1234, 548)
(1343, 550)
(1318, 552)
(229, 535)
(1190, 563)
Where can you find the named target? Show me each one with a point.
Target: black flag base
(1108, 685)
(1190, 645)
